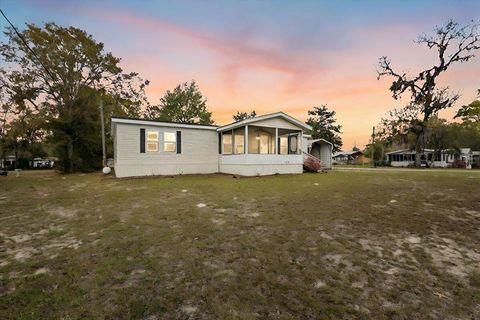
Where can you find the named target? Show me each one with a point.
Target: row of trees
(53, 80)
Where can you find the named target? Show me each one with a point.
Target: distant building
(432, 158)
(8, 162)
(36, 163)
(47, 162)
(350, 157)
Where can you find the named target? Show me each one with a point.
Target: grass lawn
(341, 245)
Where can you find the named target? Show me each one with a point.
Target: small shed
(321, 149)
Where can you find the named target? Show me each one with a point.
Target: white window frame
(165, 141)
(151, 141)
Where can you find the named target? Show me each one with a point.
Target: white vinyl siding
(326, 155)
(275, 123)
(199, 152)
(200, 147)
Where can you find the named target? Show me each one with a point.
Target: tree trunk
(418, 149)
(16, 154)
(70, 156)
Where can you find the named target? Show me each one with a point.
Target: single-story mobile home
(262, 145)
(432, 158)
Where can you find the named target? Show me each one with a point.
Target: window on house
(152, 141)
(169, 141)
(239, 141)
(227, 142)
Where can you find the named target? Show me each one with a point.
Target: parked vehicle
(3, 172)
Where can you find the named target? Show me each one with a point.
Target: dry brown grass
(342, 245)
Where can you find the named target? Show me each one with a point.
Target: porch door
(264, 143)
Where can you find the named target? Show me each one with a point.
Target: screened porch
(251, 139)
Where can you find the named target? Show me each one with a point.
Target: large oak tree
(59, 74)
(453, 44)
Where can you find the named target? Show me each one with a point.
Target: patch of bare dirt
(62, 243)
(63, 212)
(249, 215)
(454, 258)
(22, 254)
(218, 222)
(228, 273)
(41, 271)
(189, 309)
(369, 245)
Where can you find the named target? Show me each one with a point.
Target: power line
(28, 47)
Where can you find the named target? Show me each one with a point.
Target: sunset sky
(269, 55)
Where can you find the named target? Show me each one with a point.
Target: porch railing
(312, 163)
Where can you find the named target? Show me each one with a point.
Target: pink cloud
(235, 52)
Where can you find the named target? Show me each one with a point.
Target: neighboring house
(350, 157)
(440, 158)
(476, 159)
(8, 162)
(263, 145)
(48, 162)
(43, 162)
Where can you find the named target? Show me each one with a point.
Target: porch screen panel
(283, 145)
(261, 140)
(264, 144)
(239, 141)
(227, 142)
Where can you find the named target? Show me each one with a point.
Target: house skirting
(162, 169)
(436, 164)
(244, 165)
(261, 164)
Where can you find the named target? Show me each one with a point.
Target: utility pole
(373, 146)
(104, 152)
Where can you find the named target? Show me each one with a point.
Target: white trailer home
(432, 158)
(263, 145)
